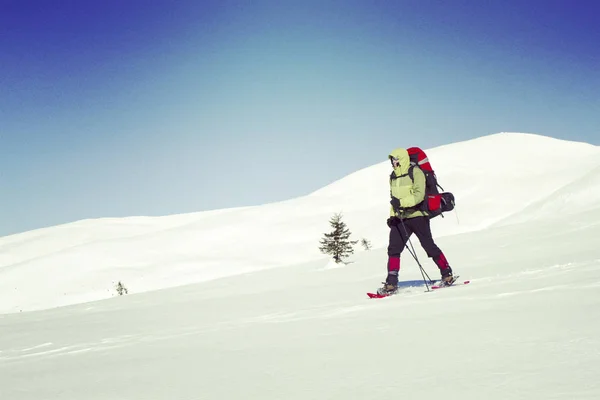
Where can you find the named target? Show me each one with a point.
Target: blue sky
(120, 108)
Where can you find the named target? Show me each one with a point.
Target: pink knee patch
(394, 264)
(442, 262)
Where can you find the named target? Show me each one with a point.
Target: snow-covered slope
(525, 328)
(496, 179)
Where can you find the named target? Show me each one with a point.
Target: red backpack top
(435, 202)
(418, 157)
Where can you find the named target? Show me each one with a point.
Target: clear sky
(144, 107)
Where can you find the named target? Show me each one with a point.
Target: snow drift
(525, 328)
(497, 179)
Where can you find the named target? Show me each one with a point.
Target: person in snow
(406, 218)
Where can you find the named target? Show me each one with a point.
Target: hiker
(407, 216)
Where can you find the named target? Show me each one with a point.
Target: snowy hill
(498, 178)
(285, 325)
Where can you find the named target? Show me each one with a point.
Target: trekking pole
(413, 253)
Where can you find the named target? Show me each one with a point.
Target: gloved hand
(395, 202)
(392, 221)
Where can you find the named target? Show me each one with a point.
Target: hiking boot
(387, 289)
(447, 276)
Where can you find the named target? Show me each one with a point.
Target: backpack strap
(411, 173)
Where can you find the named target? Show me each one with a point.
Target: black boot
(447, 276)
(387, 289)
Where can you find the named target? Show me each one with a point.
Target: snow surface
(249, 309)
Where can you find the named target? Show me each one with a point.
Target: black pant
(400, 233)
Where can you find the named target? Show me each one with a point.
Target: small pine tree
(121, 289)
(365, 243)
(337, 242)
